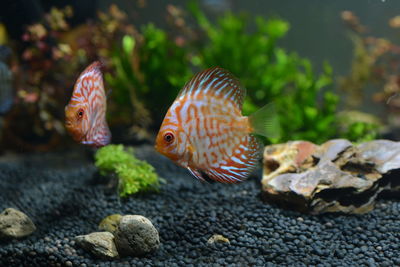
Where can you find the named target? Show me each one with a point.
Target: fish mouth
(157, 148)
(160, 150)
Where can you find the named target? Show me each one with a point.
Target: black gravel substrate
(58, 193)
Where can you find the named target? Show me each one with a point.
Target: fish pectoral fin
(191, 149)
(87, 142)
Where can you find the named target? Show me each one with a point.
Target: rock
(333, 177)
(384, 153)
(217, 239)
(136, 236)
(110, 223)
(100, 244)
(283, 158)
(15, 224)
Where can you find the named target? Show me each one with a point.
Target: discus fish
(85, 114)
(204, 129)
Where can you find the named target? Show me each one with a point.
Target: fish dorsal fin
(92, 73)
(218, 82)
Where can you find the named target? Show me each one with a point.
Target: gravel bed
(60, 193)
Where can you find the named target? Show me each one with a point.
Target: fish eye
(80, 113)
(169, 137)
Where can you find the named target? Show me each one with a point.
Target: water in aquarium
(199, 133)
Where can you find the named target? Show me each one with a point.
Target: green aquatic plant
(151, 69)
(146, 67)
(358, 126)
(361, 132)
(306, 102)
(270, 73)
(374, 69)
(133, 175)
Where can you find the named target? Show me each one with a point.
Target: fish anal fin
(217, 82)
(103, 135)
(196, 174)
(243, 161)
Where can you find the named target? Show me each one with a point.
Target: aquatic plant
(361, 132)
(40, 78)
(358, 126)
(146, 67)
(150, 69)
(133, 175)
(51, 57)
(270, 73)
(374, 67)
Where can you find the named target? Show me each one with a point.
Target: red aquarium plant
(375, 65)
(51, 56)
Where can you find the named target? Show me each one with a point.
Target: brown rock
(110, 223)
(100, 244)
(136, 236)
(333, 177)
(217, 239)
(15, 224)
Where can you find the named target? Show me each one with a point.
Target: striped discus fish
(85, 114)
(205, 132)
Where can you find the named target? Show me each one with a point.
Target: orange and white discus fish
(85, 114)
(205, 132)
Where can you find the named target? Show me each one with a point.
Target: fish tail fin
(265, 121)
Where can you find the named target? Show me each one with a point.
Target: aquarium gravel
(62, 195)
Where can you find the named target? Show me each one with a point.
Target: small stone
(100, 244)
(217, 239)
(110, 223)
(136, 235)
(15, 224)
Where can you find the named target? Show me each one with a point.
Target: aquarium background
(330, 67)
(315, 60)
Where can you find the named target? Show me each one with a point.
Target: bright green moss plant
(133, 175)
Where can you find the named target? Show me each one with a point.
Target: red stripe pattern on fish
(205, 132)
(85, 114)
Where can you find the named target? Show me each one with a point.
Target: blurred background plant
(374, 71)
(306, 102)
(45, 69)
(145, 68)
(40, 79)
(150, 70)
